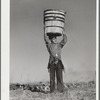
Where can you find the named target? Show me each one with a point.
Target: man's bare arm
(64, 40)
(46, 39)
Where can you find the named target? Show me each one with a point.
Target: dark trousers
(56, 70)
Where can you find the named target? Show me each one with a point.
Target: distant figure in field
(55, 66)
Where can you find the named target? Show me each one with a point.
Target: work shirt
(55, 49)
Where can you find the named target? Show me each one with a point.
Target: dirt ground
(70, 94)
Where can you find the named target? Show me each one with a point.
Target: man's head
(53, 39)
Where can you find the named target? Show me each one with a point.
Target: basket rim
(55, 10)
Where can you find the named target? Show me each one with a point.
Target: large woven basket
(54, 21)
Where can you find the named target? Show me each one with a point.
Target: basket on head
(54, 21)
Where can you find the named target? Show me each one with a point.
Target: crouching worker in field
(55, 66)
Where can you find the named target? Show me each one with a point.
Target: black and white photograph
(53, 50)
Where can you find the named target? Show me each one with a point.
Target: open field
(75, 91)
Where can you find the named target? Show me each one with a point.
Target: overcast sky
(28, 54)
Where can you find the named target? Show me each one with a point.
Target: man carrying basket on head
(55, 66)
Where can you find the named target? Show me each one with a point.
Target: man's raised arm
(46, 39)
(64, 40)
